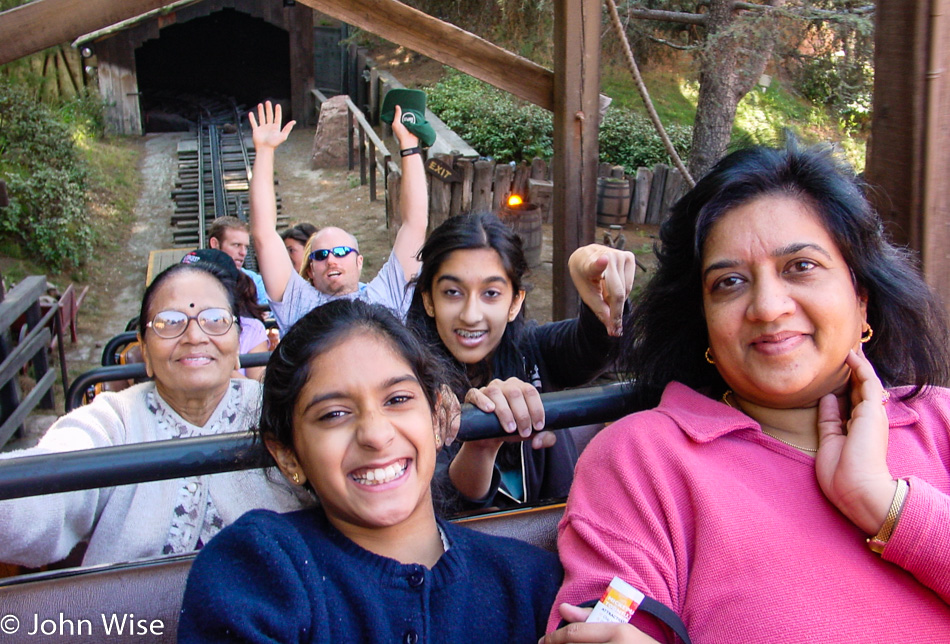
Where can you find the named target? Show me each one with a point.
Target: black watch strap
(410, 151)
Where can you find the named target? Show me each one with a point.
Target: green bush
(629, 139)
(492, 121)
(46, 179)
(501, 127)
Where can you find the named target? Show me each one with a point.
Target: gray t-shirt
(388, 288)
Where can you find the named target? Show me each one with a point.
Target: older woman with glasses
(189, 335)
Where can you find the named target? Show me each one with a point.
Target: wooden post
(481, 187)
(501, 186)
(909, 154)
(657, 188)
(642, 195)
(440, 196)
(371, 160)
(466, 168)
(576, 120)
(539, 193)
(671, 192)
(539, 169)
(519, 185)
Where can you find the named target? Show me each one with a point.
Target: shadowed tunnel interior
(205, 61)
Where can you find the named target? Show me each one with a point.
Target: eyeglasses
(338, 251)
(172, 324)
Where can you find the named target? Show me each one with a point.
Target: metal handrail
(133, 372)
(142, 462)
(111, 349)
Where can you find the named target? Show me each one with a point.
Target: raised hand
(851, 464)
(604, 277)
(406, 138)
(265, 129)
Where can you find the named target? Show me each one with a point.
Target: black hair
(301, 232)
(667, 337)
(288, 369)
(201, 267)
(469, 232)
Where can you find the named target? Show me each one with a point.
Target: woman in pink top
(792, 483)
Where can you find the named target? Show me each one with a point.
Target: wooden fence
(23, 346)
(459, 184)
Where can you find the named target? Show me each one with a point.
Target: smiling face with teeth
(364, 436)
(472, 301)
(194, 366)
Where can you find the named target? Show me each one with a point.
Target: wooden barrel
(613, 201)
(525, 220)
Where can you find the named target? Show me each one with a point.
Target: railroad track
(214, 169)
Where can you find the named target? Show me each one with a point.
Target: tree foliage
(733, 42)
(506, 129)
(46, 179)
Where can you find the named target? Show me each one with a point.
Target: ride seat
(152, 591)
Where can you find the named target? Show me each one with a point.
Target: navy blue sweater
(295, 578)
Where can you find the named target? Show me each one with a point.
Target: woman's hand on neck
(197, 407)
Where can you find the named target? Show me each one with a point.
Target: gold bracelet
(878, 541)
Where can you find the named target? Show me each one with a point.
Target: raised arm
(272, 258)
(413, 203)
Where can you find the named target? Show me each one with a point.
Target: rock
(329, 142)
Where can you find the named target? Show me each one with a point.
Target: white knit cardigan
(131, 521)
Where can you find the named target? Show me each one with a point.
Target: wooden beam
(909, 150)
(576, 123)
(447, 44)
(41, 24)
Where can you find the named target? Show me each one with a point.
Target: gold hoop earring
(296, 479)
(709, 358)
(867, 334)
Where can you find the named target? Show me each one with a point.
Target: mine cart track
(214, 170)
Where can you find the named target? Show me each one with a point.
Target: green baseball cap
(413, 104)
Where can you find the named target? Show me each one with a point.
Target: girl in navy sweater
(353, 411)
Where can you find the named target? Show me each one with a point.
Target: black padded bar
(131, 372)
(153, 461)
(112, 346)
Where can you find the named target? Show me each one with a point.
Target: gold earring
(438, 440)
(709, 358)
(867, 334)
(296, 479)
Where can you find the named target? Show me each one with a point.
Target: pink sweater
(692, 504)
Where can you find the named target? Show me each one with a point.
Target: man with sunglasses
(334, 261)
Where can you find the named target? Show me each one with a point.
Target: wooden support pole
(576, 121)
(909, 151)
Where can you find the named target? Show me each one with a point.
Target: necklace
(726, 398)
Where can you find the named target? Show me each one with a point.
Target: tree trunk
(735, 55)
